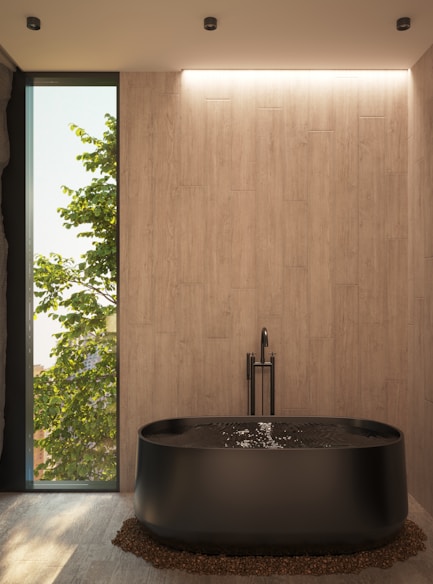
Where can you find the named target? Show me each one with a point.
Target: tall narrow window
(73, 284)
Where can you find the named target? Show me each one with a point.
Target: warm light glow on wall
(191, 76)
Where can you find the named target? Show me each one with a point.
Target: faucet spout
(252, 365)
(264, 341)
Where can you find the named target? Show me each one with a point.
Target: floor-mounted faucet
(251, 374)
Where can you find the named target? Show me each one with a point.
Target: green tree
(75, 399)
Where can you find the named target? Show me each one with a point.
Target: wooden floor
(65, 538)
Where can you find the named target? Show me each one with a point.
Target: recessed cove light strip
(200, 75)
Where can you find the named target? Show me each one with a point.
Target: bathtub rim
(189, 421)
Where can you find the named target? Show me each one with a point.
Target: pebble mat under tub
(134, 538)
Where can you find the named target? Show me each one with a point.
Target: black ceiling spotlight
(210, 23)
(33, 23)
(403, 23)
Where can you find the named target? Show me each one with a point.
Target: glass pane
(74, 282)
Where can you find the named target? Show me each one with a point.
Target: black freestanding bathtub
(271, 485)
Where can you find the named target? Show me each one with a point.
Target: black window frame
(16, 474)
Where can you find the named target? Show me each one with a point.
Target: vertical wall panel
(165, 242)
(162, 393)
(297, 100)
(190, 310)
(221, 393)
(137, 368)
(421, 226)
(321, 104)
(243, 254)
(345, 207)
(372, 375)
(372, 256)
(243, 146)
(346, 350)
(397, 402)
(294, 358)
(192, 135)
(427, 209)
(321, 372)
(426, 444)
(415, 446)
(320, 190)
(296, 164)
(218, 154)
(191, 236)
(270, 188)
(428, 330)
(140, 291)
(396, 309)
(396, 215)
(218, 223)
(165, 165)
(372, 90)
(295, 233)
(137, 203)
(396, 116)
(270, 90)
(296, 119)
(416, 189)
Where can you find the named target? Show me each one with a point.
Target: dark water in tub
(274, 435)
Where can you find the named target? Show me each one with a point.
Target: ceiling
(167, 35)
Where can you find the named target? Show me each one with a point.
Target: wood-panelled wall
(420, 432)
(274, 199)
